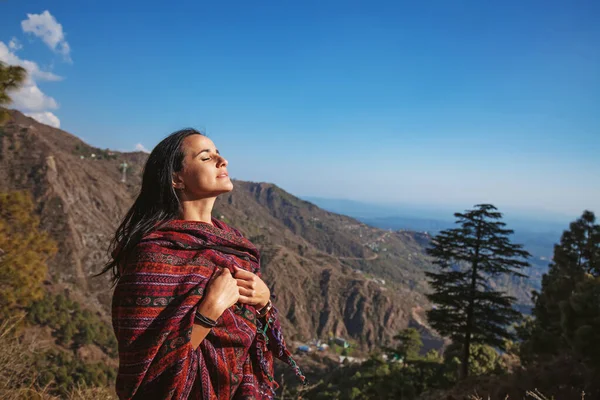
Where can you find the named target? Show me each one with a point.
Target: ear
(177, 181)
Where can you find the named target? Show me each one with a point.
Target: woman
(190, 311)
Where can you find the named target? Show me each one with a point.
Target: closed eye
(207, 151)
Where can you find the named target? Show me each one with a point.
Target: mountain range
(332, 275)
(538, 236)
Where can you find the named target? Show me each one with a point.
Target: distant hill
(537, 236)
(539, 244)
(361, 209)
(535, 221)
(332, 274)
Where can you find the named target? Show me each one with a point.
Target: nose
(222, 162)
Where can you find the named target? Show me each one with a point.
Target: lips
(223, 175)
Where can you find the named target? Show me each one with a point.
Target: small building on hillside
(341, 342)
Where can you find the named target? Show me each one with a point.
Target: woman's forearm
(199, 332)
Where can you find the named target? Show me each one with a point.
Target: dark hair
(156, 203)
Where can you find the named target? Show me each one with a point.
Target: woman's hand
(221, 293)
(252, 289)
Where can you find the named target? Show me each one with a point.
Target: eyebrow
(205, 150)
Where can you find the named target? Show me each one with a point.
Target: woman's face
(204, 172)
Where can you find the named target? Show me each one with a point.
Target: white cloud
(45, 118)
(33, 70)
(46, 27)
(140, 147)
(31, 98)
(14, 44)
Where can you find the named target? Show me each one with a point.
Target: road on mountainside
(370, 258)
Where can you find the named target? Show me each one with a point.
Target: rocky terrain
(331, 274)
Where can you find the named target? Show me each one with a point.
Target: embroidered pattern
(153, 313)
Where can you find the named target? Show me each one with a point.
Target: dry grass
(16, 373)
(539, 396)
(77, 394)
(84, 393)
(535, 395)
(17, 376)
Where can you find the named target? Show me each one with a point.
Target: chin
(227, 187)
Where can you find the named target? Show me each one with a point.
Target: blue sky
(441, 103)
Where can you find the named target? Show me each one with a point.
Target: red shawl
(153, 310)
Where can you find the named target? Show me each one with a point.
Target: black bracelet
(205, 321)
(265, 310)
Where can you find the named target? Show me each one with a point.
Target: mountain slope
(331, 274)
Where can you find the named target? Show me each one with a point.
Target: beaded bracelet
(205, 321)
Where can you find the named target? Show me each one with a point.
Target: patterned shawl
(153, 310)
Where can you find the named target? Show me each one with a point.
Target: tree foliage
(483, 359)
(567, 309)
(467, 308)
(24, 251)
(11, 78)
(61, 372)
(72, 326)
(410, 343)
(378, 379)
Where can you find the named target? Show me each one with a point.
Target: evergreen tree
(468, 309)
(580, 321)
(483, 359)
(11, 78)
(24, 251)
(410, 343)
(567, 309)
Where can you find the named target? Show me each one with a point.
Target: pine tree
(24, 251)
(410, 343)
(11, 78)
(483, 359)
(468, 309)
(564, 308)
(580, 321)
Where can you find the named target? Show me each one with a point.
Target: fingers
(219, 271)
(223, 273)
(246, 284)
(247, 300)
(243, 274)
(247, 292)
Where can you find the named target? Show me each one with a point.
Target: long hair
(156, 203)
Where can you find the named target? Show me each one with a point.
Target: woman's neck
(198, 210)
